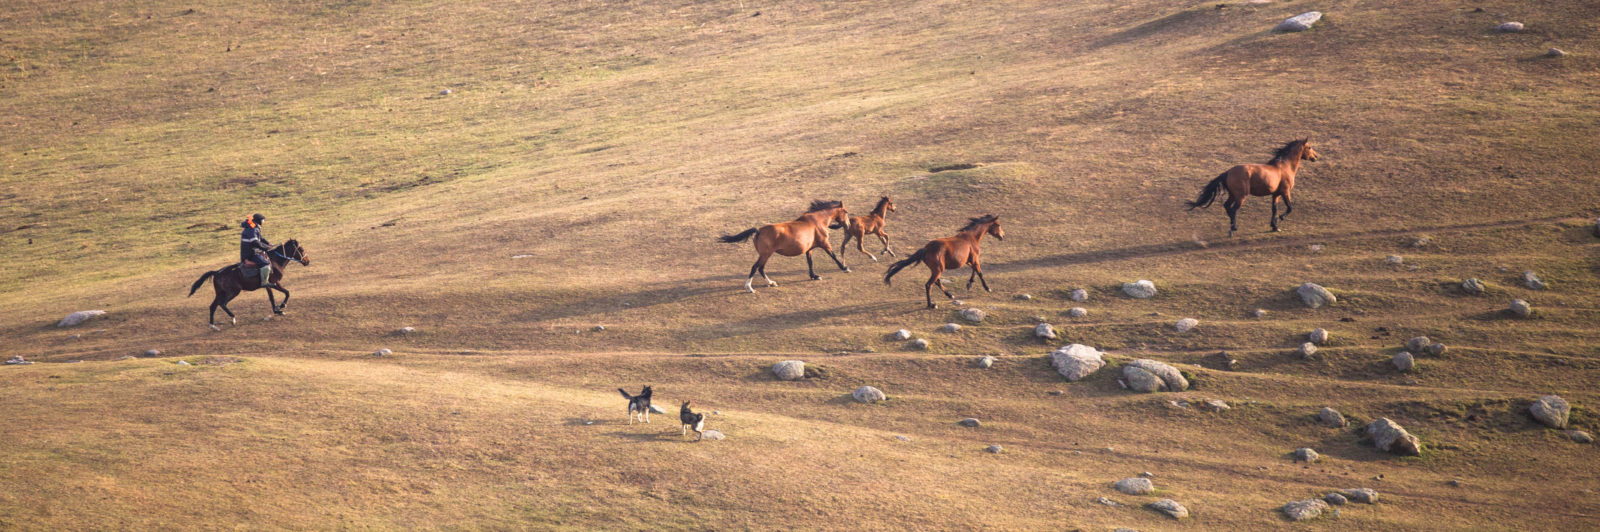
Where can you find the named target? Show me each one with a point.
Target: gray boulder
(1580, 436)
(919, 344)
(404, 331)
(1076, 361)
(1521, 308)
(17, 360)
(1170, 376)
(1404, 362)
(973, 315)
(994, 449)
(902, 335)
(1551, 410)
(1045, 331)
(789, 370)
(1139, 380)
(79, 317)
(1297, 23)
(1318, 336)
(970, 422)
(1077, 312)
(1335, 498)
(1532, 281)
(1025, 297)
(1330, 417)
(1140, 289)
(1472, 286)
(1186, 325)
(1509, 27)
(1436, 349)
(1389, 436)
(1315, 296)
(1307, 349)
(1217, 405)
(382, 352)
(1306, 454)
(1259, 313)
(152, 352)
(1361, 495)
(713, 435)
(1135, 486)
(1418, 344)
(986, 362)
(1078, 294)
(868, 394)
(1394, 259)
(949, 327)
(1170, 507)
(1306, 509)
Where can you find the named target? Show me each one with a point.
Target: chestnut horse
(952, 252)
(228, 282)
(1276, 179)
(808, 232)
(872, 223)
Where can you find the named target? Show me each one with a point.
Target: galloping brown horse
(228, 282)
(808, 232)
(1276, 179)
(952, 252)
(872, 223)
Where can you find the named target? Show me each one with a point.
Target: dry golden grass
(612, 142)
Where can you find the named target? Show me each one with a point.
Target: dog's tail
(1208, 194)
(896, 267)
(625, 394)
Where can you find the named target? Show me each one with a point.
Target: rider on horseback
(253, 248)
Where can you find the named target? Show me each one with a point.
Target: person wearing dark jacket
(253, 248)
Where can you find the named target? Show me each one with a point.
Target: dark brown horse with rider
(229, 281)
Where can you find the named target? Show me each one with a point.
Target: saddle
(248, 271)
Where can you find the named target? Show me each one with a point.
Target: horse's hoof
(214, 327)
(847, 270)
(751, 290)
(278, 312)
(816, 277)
(933, 305)
(874, 259)
(772, 283)
(234, 321)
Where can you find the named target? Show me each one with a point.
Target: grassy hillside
(415, 148)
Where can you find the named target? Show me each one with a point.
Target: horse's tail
(200, 281)
(896, 267)
(741, 237)
(1208, 195)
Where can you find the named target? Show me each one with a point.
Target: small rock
(657, 410)
(1297, 23)
(902, 438)
(1306, 509)
(1306, 454)
(1557, 52)
(1057, 392)
(79, 317)
(868, 394)
(1077, 312)
(1509, 27)
(1403, 361)
(949, 327)
(1147, 474)
(1394, 259)
(1307, 349)
(183, 363)
(1580, 436)
(1330, 417)
(1315, 248)
(986, 362)
(1259, 313)
(1141, 289)
(789, 370)
(1045, 331)
(1037, 319)
(152, 352)
(407, 331)
(17, 360)
(1389, 436)
(1175, 404)
(1220, 360)
(1532, 281)
(1217, 405)
(1335, 499)
(1025, 297)
(1170, 507)
(713, 435)
(969, 422)
(1436, 349)
(1318, 336)
(902, 335)
(598, 328)
(973, 315)
(1186, 325)
(994, 449)
(445, 92)
(1472, 286)
(957, 302)
(1076, 361)
(1171, 378)
(1418, 344)
(1078, 294)
(1421, 241)
(919, 344)
(1521, 308)
(1135, 486)
(1315, 296)
(1109, 502)
(1139, 380)
(1361, 495)
(1551, 410)
(1456, 483)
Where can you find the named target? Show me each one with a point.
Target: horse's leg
(285, 291)
(978, 269)
(1288, 206)
(829, 250)
(927, 288)
(224, 304)
(1274, 218)
(811, 269)
(885, 238)
(273, 300)
(747, 280)
(763, 270)
(972, 276)
(858, 247)
(1232, 205)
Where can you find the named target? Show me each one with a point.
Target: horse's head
(840, 216)
(888, 204)
(293, 250)
(994, 228)
(1306, 152)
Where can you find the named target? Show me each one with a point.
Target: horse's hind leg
(977, 269)
(273, 301)
(285, 291)
(1288, 207)
(885, 238)
(1274, 218)
(863, 251)
(1232, 205)
(811, 269)
(747, 281)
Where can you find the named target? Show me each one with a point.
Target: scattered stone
(1306, 509)
(713, 435)
(1521, 308)
(1111, 503)
(183, 363)
(1140, 289)
(1057, 392)
(1217, 405)
(1580, 436)
(654, 409)
(1147, 474)
(1038, 319)
(949, 327)
(1078, 294)
(994, 449)
(957, 302)
(598, 328)
(152, 352)
(919, 344)
(17, 360)
(1456, 483)
(125, 357)
(1389, 436)
(1532, 281)
(1403, 361)
(1335, 499)
(79, 317)
(1306, 454)
(1186, 325)
(1361, 495)
(1509, 27)
(1171, 378)
(1472, 286)
(382, 352)
(1307, 349)
(1557, 52)
(1436, 349)
(1170, 507)
(986, 362)
(1298, 23)
(1418, 344)
(1077, 312)
(789, 370)
(1139, 380)
(1318, 336)
(1259, 313)
(1315, 296)
(1394, 259)
(1176, 404)
(1222, 360)
(1076, 361)
(1315, 248)
(1421, 241)
(1551, 410)
(445, 92)
(973, 315)
(1025, 297)
(902, 438)
(902, 335)
(1045, 331)
(1330, 417)
(1135, 486)
(868, 394)
(969, 422)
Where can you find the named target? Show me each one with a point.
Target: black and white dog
(691, 420)
(638, 404)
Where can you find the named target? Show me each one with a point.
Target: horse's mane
(821, 205)
(973, 223)
(1283, 153)
(881, 202)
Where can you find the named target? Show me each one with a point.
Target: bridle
(286, 259)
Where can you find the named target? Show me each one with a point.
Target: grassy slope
(612, 141)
